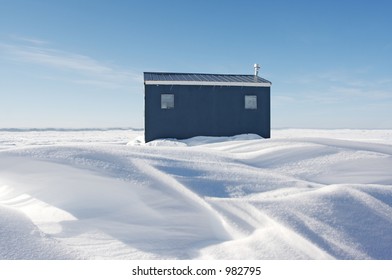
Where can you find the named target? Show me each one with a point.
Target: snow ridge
(108, 195)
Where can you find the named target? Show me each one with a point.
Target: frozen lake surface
(105, 194)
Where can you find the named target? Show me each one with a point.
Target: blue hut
(184, 105)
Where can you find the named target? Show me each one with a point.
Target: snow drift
(303, 194)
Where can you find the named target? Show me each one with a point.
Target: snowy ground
(303, 194)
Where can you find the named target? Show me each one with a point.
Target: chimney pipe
(257, 67)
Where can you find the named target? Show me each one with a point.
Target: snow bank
(10, 138)
(194, 141)
(300, 195)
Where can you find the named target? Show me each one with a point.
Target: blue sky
(79, 63)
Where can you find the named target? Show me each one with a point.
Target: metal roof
(163, 78)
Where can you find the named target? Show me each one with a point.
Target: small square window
(250, 102)
(167, 101)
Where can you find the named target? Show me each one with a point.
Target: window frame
(167, 104)
(249, 104)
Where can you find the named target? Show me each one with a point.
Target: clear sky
(79, 63)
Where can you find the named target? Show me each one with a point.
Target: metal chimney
(257, 67)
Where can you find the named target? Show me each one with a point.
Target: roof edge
(263, 81)
(208, 83)
(195, 73)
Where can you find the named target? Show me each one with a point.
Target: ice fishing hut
(184, 105)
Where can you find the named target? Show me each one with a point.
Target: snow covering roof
(164, 78)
